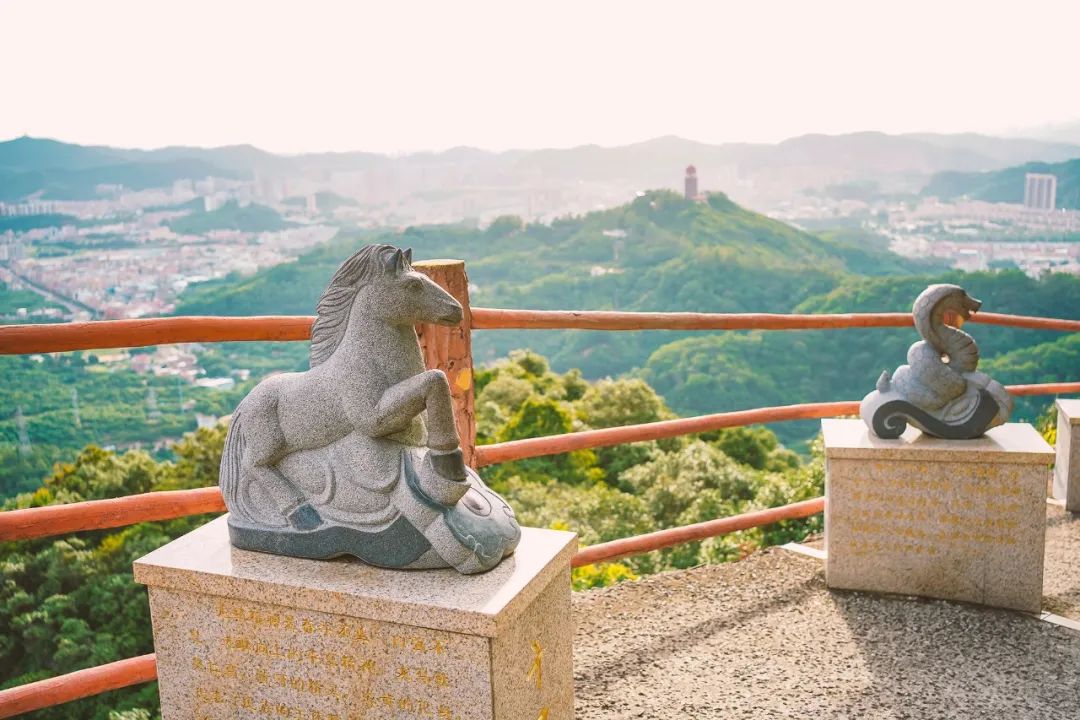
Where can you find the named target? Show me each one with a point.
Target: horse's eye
(413, 285)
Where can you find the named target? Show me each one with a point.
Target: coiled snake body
(940, 390)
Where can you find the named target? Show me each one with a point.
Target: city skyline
(328, 76)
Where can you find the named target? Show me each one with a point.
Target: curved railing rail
(78, 685)
(117, 512)
(49, 520)
(103, 334)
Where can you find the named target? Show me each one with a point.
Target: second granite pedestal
(241, 634)
(952, 519)
(1067, 464)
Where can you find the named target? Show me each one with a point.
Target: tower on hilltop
(690, 183)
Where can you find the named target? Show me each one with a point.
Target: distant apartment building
(1040, 191)
(29, 208)
(690, 188)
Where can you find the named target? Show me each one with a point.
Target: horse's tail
(229, 474)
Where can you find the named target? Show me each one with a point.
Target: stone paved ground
(764, 638)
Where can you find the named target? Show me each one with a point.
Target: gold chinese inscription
(537, 669)
(923, 513)
(270, 662)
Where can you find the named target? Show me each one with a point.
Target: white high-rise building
(1040, 191)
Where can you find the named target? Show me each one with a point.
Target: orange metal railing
(49, 520)
(78, 685)
(101, 334)
(117, 512)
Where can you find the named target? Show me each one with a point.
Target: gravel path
(764, 638)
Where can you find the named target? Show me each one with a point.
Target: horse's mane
(368, 263)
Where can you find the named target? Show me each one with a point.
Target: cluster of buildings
(974, 235)
(1034, 236)
(147, 279)
(121, 259)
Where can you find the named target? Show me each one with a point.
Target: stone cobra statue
(939, 391)
(360, 455)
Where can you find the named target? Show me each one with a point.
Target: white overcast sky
(395, 76)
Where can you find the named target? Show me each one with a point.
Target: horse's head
(377, 282)
(407, 297)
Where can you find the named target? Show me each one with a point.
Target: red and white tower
(690, 183)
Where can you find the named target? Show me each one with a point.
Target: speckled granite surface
(953, 519)
(243, 634)
(203, 561)
(1067, 462)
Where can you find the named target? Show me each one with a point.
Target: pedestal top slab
(1071, 408)
(203, 561)
(1011, 442)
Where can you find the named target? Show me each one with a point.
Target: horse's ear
(399, 262)
(408, 256)
(391, 262)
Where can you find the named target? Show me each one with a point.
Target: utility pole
(153, 413)
(75, 407)
(24, 436)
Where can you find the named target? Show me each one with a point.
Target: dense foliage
(630, 489)
(659, 252)
(114, 410)
(662, 252)
(68, 603)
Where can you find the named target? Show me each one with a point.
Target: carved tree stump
(450, 348)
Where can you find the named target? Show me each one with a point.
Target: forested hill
(659, 252)
(1008, 185)
(728, 371)
(662, 252)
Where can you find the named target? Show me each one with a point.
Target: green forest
(664, 253)
(68, 603)
(114, 409)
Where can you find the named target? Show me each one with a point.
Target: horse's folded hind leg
(261, 454)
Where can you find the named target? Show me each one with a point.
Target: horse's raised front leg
(401, 403)
(429, 391)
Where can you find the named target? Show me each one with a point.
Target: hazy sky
(396, 76)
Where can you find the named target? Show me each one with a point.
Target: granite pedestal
(953, 519)
(1067, 463)
(242, 634)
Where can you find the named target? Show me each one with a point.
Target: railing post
(450, 348)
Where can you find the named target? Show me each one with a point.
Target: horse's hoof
(450, 465)
(305, 517)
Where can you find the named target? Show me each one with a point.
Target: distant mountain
(27, 154)
(1007, 185)
(1066, 132)
(757, 174)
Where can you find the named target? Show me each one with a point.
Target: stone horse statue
(939, 391)
(340, 460)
